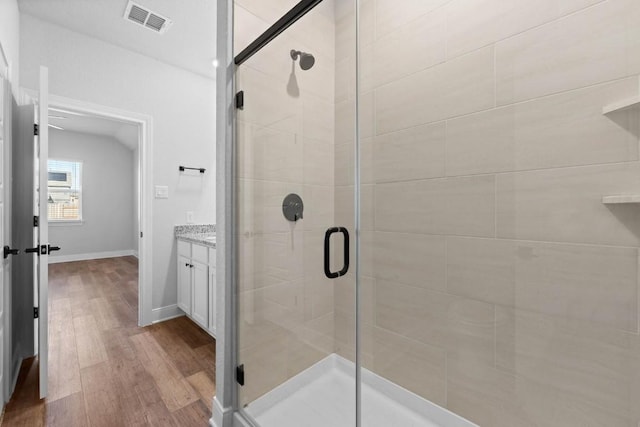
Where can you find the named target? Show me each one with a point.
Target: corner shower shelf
(624, 199)
(625, 104)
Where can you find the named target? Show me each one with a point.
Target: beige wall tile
(345, 206)
(318, 162)
(564, 205)
(412, 259)
(319, 333)
(491, 397)
(418, 367)
(460, 86)
(391, 15)
(345, 296)
(345, 215)
(345, 37)
(345, 337)
(247, 27)
(268, 11)
(561, 130)
(262, 151)
(314, 259)
(367, 122)
(409, 154)
(260, 206)
(345, 162)
(270, 259)
(482, 269)
(463, 327)
(597, 44)
(284, 303)
(462, 206)
(345, 121)
(317, 119)
(477, 23)
(303, 354)
(269, 104)
(264, 364)
(595, 284)
(410, 48)
(345, 76)
(318, 207)
(594, 365)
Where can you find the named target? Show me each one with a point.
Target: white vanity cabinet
(196, 283)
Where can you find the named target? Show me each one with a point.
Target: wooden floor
(106, 371)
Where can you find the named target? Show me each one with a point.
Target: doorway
(139, 141)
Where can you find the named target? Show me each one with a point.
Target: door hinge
(240, 100)
(36, 129)
(36, 220)
(36, 312)
(43, 250)
(240, 374)
(141, 234)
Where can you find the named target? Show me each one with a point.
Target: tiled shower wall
(285, 143)
(495, 282)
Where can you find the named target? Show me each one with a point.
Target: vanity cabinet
(196, 283)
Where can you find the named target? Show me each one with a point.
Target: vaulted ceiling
(189, 43)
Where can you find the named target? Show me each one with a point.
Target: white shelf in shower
(621, 199)
(624, 105)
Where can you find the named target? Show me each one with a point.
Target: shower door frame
(226, 411)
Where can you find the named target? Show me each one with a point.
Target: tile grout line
(516, 103)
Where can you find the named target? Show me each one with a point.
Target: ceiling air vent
(148, 19)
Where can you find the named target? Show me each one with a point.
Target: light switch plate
(162, 192)
(189, 217)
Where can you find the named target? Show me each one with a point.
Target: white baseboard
(165, 313)
(96, 255)
(135, 254)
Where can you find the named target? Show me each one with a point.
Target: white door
(43, 231)
(5, 265)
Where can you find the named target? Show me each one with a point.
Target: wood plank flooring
(106, 371)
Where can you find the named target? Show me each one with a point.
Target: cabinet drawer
(212, 257)
(184, 248)
(200, 253)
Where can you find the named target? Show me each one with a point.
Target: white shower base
(324, 396)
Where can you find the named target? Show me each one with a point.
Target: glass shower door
(295, 272)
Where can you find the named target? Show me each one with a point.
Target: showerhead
(306, 59)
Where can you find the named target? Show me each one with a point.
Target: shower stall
(437, 213)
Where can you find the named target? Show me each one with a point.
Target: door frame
(145, 197)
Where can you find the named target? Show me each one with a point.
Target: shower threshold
(324, 396)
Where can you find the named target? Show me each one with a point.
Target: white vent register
(142, 16)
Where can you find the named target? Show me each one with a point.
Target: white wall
(107, 194)
(183, 108)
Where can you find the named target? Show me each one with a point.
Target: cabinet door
(200, 312)
(212, 300)
(184, 284)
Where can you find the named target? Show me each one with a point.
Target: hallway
(104, 370)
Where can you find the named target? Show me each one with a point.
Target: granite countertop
(201, 234)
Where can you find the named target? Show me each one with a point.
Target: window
(64, 190)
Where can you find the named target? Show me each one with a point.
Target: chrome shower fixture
(306, 59)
